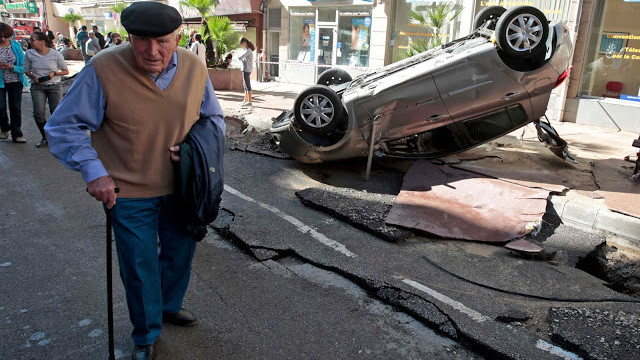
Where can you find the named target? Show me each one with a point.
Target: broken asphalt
(498, 303)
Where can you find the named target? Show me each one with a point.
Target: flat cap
(150, 19)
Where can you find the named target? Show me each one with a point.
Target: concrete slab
(621, 194)
(597, 333)
(364, 210)
(458, 204)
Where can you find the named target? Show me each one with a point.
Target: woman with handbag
(12, 81)
(44, 66)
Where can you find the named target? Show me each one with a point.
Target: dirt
(619, 267)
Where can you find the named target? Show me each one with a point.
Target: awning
(233, 7)
(60, 10)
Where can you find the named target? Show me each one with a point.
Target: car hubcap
(524, 32)
(316, 110)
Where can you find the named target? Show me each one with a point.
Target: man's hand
(103, 189)
(175, 153)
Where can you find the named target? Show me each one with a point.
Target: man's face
(154, 53)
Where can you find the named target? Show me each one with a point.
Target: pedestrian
(81, 40)
(98, 35)
(11, 83)
(93, 45)
(247, 68)
(137, 120)
(49, 33)
(198, 48)
(66, 45)
(108, 40)
(44, 66)
(191, 39)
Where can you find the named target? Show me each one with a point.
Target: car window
(497, 123)
(432, 143)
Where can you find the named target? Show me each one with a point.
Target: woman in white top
(247, 68)
(44, 66)
(198, 48)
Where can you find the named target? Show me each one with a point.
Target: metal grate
(274, 18)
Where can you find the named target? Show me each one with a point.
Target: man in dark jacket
(99, 36)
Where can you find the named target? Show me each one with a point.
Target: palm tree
(205, 8)
(434, 18)
(221, 33)
(72, 19)
(118, 8)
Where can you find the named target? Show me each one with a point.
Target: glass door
(326, 53)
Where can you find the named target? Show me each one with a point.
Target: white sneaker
(4, 135)
(243, 103)
(247, 104)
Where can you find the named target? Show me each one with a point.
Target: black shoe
(183, 317)
(42, 143)
(147, 352)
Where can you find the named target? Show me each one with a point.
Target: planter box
(226, 79)
(74, 54)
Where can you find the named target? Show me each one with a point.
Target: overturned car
(439, 102)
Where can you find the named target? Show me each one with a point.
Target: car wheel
(318, 109)
(334, 77)
(490, 14)
(522, 31)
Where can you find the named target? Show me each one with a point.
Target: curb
(582, 214)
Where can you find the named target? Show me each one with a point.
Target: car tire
(489, 14)
(318, 109)
(334, 77)
(534, 29)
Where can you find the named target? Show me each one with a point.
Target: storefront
(317, 35)
(606, 89)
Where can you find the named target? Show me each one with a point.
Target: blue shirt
(82, 109)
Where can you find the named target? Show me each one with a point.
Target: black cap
(150, 19)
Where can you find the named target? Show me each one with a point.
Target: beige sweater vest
(141, 121)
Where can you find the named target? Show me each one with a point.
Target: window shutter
(274, 18)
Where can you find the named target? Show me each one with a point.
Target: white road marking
(8, 263)
(84, 322)
(447, 300)
(541, 344)
(302, 227)
(95, 333)
(555, 350)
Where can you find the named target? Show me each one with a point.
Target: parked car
(445, 100)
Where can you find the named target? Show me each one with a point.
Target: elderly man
(93, 45)
(137, 119)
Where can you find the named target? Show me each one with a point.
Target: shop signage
(31, 7)
(630, 97)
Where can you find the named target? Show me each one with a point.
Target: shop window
(408, 35)
(302, 29)
(354, 34)
(612, 58)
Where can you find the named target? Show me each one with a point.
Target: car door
(472, 88)
(406, 104)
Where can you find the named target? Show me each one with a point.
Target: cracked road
(276, 279)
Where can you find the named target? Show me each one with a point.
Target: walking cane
(112, 355)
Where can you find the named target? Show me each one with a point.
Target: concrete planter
(226, 79)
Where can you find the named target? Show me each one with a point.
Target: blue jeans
(155, 257)
(14, 91)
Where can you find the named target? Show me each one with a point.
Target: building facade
(302, 38)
